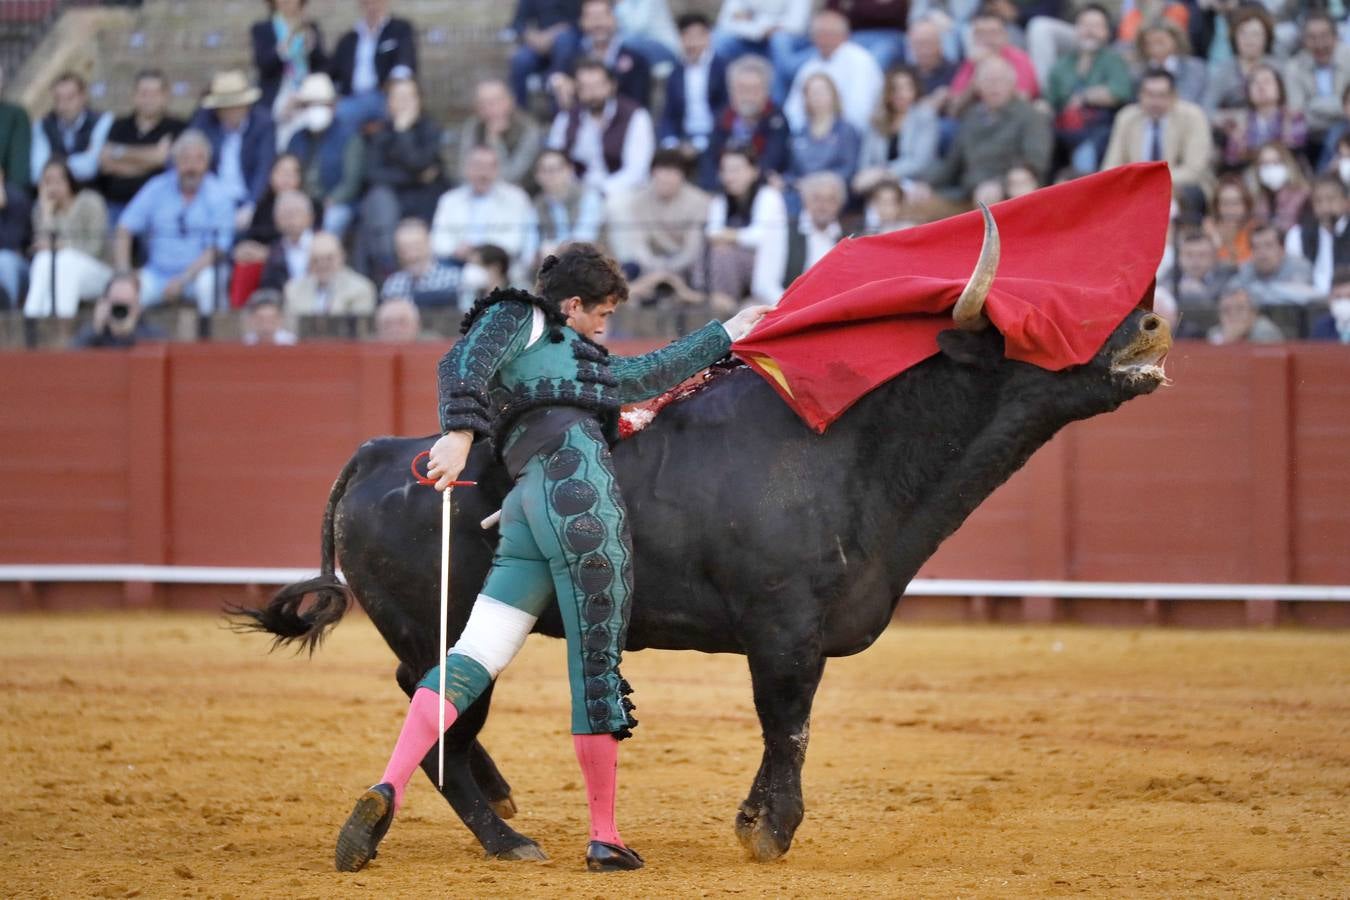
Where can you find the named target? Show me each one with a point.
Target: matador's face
(589, 322)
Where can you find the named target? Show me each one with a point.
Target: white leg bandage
(494, 634)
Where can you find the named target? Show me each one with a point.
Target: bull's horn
(969, 310)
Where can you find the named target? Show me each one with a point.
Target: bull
(753, 534)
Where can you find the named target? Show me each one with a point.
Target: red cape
(1077, 258)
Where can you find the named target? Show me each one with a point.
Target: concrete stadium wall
(213, 455)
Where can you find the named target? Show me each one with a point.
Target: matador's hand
(741, 324)
(448, 456)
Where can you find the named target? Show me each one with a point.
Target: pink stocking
(418, 736)
(598, 755)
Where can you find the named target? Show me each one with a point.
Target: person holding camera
(117, 317)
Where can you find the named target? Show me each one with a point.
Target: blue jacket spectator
(331, 152)
(71, 131)
(600, 40)
(825, 143)
(696, 90)
(242, 137)
(547, 32)
(750, 119)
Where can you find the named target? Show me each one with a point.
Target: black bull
(753, 535)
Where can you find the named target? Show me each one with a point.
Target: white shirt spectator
(297, 255)
(754, 20)
(819, 241)
(588, 149)
(698, 115)
(766, 235)
(1324, 265)
(83, 165)
(503, 215)
(364, 75)
(856, 77)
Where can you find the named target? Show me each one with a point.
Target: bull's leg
(785, 681)
(491, 781)
(462, 790)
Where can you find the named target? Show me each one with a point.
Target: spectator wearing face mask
(487, 269)
(332, 153)
(1335, 324)
(1279, 187)
(1323, 238)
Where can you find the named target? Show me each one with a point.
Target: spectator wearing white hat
(243, 142)
(331, 153)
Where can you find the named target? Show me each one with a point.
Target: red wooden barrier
(223, 455)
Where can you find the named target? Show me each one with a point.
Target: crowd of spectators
(717, 157)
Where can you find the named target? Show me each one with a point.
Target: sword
(447, 514)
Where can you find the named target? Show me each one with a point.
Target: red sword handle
(427, 480)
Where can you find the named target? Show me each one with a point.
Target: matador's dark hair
(581, 270)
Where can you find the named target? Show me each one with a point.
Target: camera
(119, 311)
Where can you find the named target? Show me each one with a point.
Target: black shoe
(365, 828)
(602, 857)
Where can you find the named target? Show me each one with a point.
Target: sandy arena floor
(159, 755)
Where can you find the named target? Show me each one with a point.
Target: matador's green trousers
(564, 534)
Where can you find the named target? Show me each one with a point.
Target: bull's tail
(283, 617)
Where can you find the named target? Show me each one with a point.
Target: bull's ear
(978, 349)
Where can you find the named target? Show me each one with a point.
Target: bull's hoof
(505, 808)
(603, 857)
(758, 836)
(527, 852)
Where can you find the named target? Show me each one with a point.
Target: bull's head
(1130, 363)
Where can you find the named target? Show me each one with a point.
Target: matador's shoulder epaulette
(553, 315)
